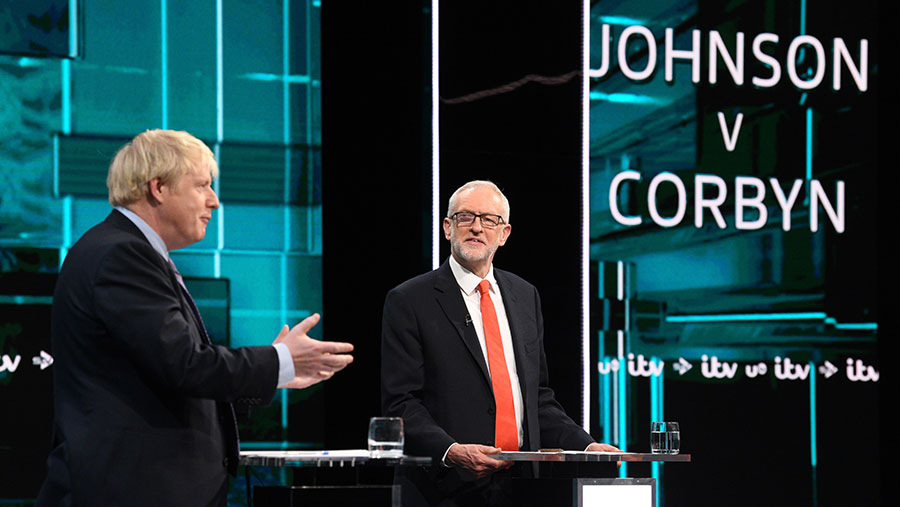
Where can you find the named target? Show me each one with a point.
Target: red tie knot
(484, 287)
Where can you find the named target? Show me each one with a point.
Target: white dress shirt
(468, 286)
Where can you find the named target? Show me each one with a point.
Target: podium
(329, 478)
(353, 477)
(584, 479)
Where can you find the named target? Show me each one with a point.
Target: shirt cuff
(444, 459)
(285, 364)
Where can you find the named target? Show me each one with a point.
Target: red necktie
(506, 433)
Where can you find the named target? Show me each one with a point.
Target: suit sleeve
(557, 428)
(403, 378)
(134, 299)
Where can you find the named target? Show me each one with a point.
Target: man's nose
(213, 201)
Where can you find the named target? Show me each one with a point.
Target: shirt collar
(152, 236)
(467, 280)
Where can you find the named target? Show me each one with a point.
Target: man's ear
(447, 228)
(504, 234)
(156, 190)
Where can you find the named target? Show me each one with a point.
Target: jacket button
(491, 411)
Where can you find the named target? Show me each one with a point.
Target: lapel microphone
(468, 320)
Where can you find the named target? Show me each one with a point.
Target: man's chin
(473, 255)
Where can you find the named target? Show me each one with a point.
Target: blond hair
(164, 154)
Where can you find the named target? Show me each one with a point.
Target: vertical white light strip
(620, 282)
(435, 140)
(585, 219)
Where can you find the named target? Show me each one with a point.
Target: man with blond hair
(463, 363)
(143, 409)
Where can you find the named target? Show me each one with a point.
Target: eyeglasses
(466, 219)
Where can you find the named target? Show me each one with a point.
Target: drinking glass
(386, 437)
(665, 438)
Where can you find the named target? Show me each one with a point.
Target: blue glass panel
(192, 67)
(116, 88)
(255, 282)
(254, 227)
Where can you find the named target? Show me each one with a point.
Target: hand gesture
(314, 360)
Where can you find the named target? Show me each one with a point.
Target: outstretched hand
(314, 360)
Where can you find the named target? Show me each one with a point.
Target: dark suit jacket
(139, 395)
(434, 376)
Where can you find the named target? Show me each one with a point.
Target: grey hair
(451, 205)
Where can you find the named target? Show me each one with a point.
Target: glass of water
(386, 437)
(665, 438)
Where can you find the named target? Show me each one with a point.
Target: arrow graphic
(828, 369)
(44, 360)
(682, 366)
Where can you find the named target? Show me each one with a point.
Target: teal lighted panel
(243, 76)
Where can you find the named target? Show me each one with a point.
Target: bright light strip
(585, 220)
(67, 203)
(285, 77)
(435, 140)
(606, 406)
(629, 98)
(746, 317)
(656, 414)
(620, 282)
(66, 78)
(73, 28)
(164, 63)
(620, 20)
(286, 118)
(220, 77)
(852, 326)
(809, 135)
(286, 90)
(755, 317)
(623, 417)
(55, 165)
(813, 453)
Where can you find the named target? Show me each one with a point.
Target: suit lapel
(517, 316)
(187, 307)
(451, 302)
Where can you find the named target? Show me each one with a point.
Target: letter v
(730, 140)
